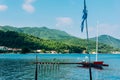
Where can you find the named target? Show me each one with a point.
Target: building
(3, 48)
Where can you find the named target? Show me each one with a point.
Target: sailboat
(96, 64)
(89, 64)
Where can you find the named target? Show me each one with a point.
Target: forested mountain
(109, 40)
(41, 32)
(20, 40)
(58, 37)
(49, 34)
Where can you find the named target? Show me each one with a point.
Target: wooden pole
(90, 72)
(36, 69)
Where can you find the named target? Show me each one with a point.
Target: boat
(95, 64)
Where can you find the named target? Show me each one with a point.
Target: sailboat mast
(97, 43)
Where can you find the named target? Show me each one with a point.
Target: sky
(65, 15)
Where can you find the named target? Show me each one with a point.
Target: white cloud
(3, 7)
(27, 6)
(64, 21)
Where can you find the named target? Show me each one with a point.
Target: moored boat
(95, 64)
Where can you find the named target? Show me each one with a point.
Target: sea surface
(22, 67)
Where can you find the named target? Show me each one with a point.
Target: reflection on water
(24, 69)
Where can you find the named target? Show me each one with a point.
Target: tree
(25, 50)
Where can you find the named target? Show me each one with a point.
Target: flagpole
(90, 72)
(88, 48)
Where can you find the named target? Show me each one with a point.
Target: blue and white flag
(84, 17)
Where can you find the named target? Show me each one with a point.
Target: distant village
(4, 49)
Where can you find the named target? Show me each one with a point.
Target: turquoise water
(22, 67)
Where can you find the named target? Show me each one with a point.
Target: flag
(84, 17)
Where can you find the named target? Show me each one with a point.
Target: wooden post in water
(36, 69)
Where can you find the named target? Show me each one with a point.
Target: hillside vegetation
(57, 37)
(20, 40)
(41, 32)
(109, 40)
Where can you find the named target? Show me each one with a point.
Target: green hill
(20, 40)
(109, 40)
(41, 32)
(58, 36)
(49, 34)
